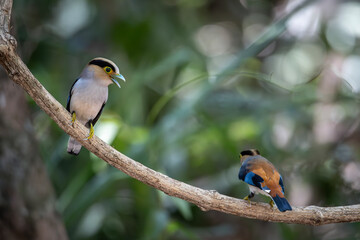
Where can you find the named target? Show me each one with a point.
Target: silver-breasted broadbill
(88, 95)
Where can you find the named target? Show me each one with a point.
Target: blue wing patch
(282, 185)
(253, 179)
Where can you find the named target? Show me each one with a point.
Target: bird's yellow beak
(115, 77)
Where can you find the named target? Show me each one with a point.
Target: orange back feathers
(267, 171)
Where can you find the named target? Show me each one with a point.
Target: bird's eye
(107, 69)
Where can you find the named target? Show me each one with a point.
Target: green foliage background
(205, 80)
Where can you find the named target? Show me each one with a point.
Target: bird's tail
(281, 203)
(74, 146)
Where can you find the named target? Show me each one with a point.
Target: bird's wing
(70, 94)
(262, 174)
(243, 171)
(272, 182)
(98, 115)
(247, 175)
(282, 184)
(254, 179)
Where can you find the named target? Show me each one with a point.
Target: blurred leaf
(94, 190)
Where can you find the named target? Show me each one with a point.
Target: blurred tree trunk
(27, 209)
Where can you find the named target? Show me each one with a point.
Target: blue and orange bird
(262, 177)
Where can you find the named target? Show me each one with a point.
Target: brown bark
(204, 199)
(27, 208)
(27, 203)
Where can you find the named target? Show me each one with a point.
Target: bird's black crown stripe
(247, 153)
(102, 63)
(250, 152)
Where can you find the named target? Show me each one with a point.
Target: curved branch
(204, 199)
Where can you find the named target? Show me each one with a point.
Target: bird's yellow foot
(271, 203)
(91, 133)
(247, 199)
(73, 118)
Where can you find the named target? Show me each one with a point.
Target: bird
(262, 177)
(88, 96)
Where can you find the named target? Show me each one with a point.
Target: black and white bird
(88, 95)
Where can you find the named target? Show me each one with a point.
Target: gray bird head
(106, 69)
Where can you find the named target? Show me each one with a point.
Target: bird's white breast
(87, 98)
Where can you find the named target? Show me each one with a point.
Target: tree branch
(204, 199)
